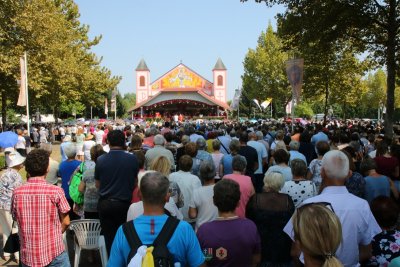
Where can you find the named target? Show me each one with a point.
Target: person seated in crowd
(183, 245)
(229, 240)
(244, 181)
(375, 183)
(385, 245)
(202, 207)
(281, 159)
(270, 211)
(318, 233)
(353, 212)
(299, 188)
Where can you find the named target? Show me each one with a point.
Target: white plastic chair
(87, 233)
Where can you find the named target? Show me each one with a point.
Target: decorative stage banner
(294, 71)
(181, 77)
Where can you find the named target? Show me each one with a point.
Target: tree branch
(382, 8)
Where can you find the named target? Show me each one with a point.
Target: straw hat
(89, 137)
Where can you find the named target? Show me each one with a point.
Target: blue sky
(166, 32)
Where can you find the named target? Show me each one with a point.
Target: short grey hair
(201, 143)
(159, 140)
(274, 181)
(260, 135)
(335, 164)
(294, 145)
(207, 170)
(239, 163)
(185, 139)
(70, 150)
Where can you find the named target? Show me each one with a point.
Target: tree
(370, 26)
(264, 71)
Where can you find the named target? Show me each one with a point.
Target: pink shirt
(246, 191)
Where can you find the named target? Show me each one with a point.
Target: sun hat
(14, 159)
(89, 137)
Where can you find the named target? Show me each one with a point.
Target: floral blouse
(385, 247)
(9, 180)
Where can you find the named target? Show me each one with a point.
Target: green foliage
(264, 71)
(303, 110)
(61, 67)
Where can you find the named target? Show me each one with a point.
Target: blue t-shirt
(227, 163)
(376, 186)
(183, 244)
(65, 170)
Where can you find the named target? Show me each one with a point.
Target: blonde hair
(319, 233)
(274, 181)
(161, 164)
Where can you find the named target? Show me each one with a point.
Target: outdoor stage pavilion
(180, 91)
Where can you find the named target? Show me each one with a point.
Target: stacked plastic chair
(87, 236)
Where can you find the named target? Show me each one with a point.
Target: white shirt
(187, 182)
(87, 145)
(202, 200)
(20, 143)
(261, 153)
(99, 137)
(136, 209)
(358, 224)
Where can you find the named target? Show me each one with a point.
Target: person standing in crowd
(202, 207)
(250, 154)
(88, 186)
(51, 177)
(262, 156)
(201, 156)
(21, 143)
(299, 188)
(187, 183)
(87, 146)
(353, 212)
(41, 211)
(314, 169)
(318, 233)
(35, 137)
(65, 171)
(9, 181)
(99, 135)
(43, 135)
(244, 181)
(294, 152)
(115, 176)
(183, 244)
(281, 158)
(270, 211)
(65, 142)
(229, 240)
(225, 167)
(319, 136)
(159, 150)
(216, 156)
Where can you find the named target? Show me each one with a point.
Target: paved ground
(88, 258)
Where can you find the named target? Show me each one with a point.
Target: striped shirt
(36, 206)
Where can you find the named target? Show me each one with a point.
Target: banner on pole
(236, 100)
(266, 103)
(294, 71)
(22, 88)
(257, 103)
(106, 106)
(114, 101)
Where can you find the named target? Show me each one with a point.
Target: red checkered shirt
(36, 206)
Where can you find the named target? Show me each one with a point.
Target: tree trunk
(391, 69)
(326, 96)
(4, 108)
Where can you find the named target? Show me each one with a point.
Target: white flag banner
(266, 103)
(294, 71)
(114, 101)
(106, 106)
(22, 88)
(257, 103)
(235, 100)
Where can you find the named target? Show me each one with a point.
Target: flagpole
(26, 93)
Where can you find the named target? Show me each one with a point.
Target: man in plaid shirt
(41, 211)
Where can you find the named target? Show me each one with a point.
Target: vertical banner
(294, 71)
(22, 88)
(235, 100)
(257, 104)
(106, 106)
(114, 101)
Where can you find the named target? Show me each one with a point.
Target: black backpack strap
(166, 232)
(132, 237)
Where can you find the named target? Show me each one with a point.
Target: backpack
(162, 256)
(76, 179)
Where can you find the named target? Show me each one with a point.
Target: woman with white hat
(9, 180)
(87, 145)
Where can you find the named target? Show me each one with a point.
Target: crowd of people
(244, 194)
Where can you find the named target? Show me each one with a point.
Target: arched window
(220, 80)
(142, 81)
